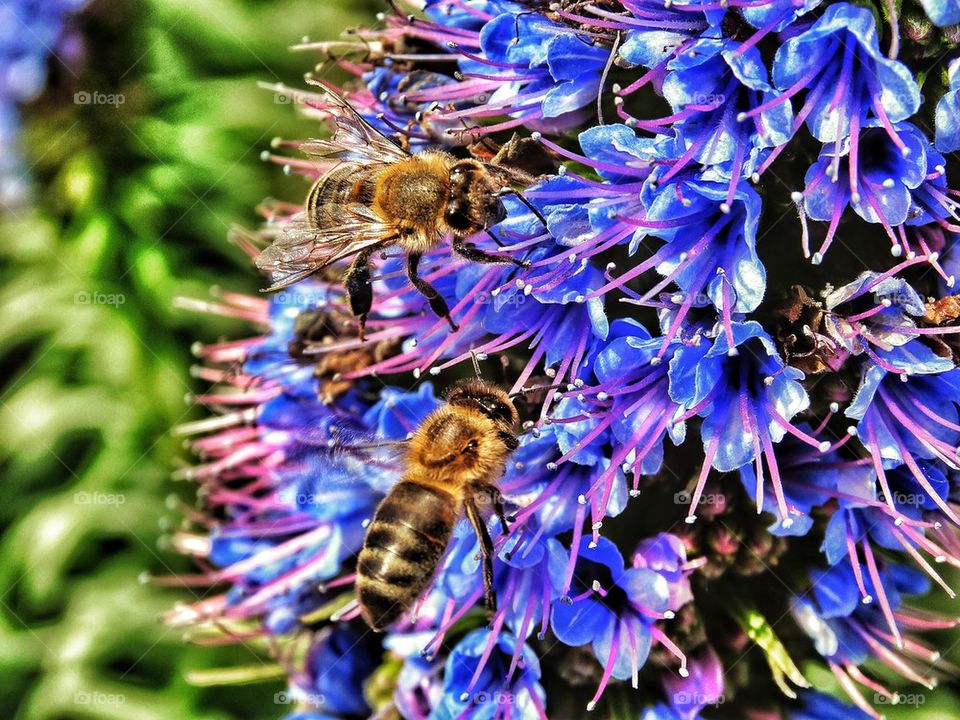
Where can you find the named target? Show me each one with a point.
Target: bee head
(473, 203)
(488, 399)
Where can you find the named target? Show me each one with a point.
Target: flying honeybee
(377, 196)
(452, 465)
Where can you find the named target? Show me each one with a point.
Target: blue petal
(578, 623)
(947, 117)
(646, 589)
(629, 633)
(836, 592)
(942, 12)
(834, 544)
(569, 58)
(650, 47)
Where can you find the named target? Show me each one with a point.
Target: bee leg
(437, 303)
(471, 252)
(486, 551)
(499, 511)
(359, 288)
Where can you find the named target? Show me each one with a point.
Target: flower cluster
(692, 163)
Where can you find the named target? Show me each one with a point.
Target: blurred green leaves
(133, 202)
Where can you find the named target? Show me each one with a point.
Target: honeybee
(377, 196)
(317, 328)
(453, 463)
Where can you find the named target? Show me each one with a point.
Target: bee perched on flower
(662, 183)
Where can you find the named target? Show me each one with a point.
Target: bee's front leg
(486, 551)
(498, 509)
(474, 254)
(359, 288)
(437, 303)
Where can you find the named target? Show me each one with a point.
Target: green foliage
(133, 203)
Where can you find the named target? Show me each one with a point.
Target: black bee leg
(486, 551)
(499, 511)
(359, 288)
(437, 303)
(471, 252)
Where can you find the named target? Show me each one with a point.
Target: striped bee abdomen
(409, 534)
(347, 184)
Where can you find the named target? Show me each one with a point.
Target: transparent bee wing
(354, 138)
(301, 249)
(340, 453)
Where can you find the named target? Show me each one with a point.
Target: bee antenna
(530, 207)
(497, 240)
(534, 388)
(476, 363)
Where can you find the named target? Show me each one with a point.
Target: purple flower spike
(644, 283)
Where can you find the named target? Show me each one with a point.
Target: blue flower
(341, 659)
(857, 326)
(476, 682)
(839, 62)
(816, 476)
(614, 611)
(906, 410)
(724, 105)
(419, 687)
(710, 229)
(666, 555)
(657, 32)
(641, 417)
(895, 514)
(747, 397)
(870, 173)
(847, 628)
(530, 71)
(776, 13)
